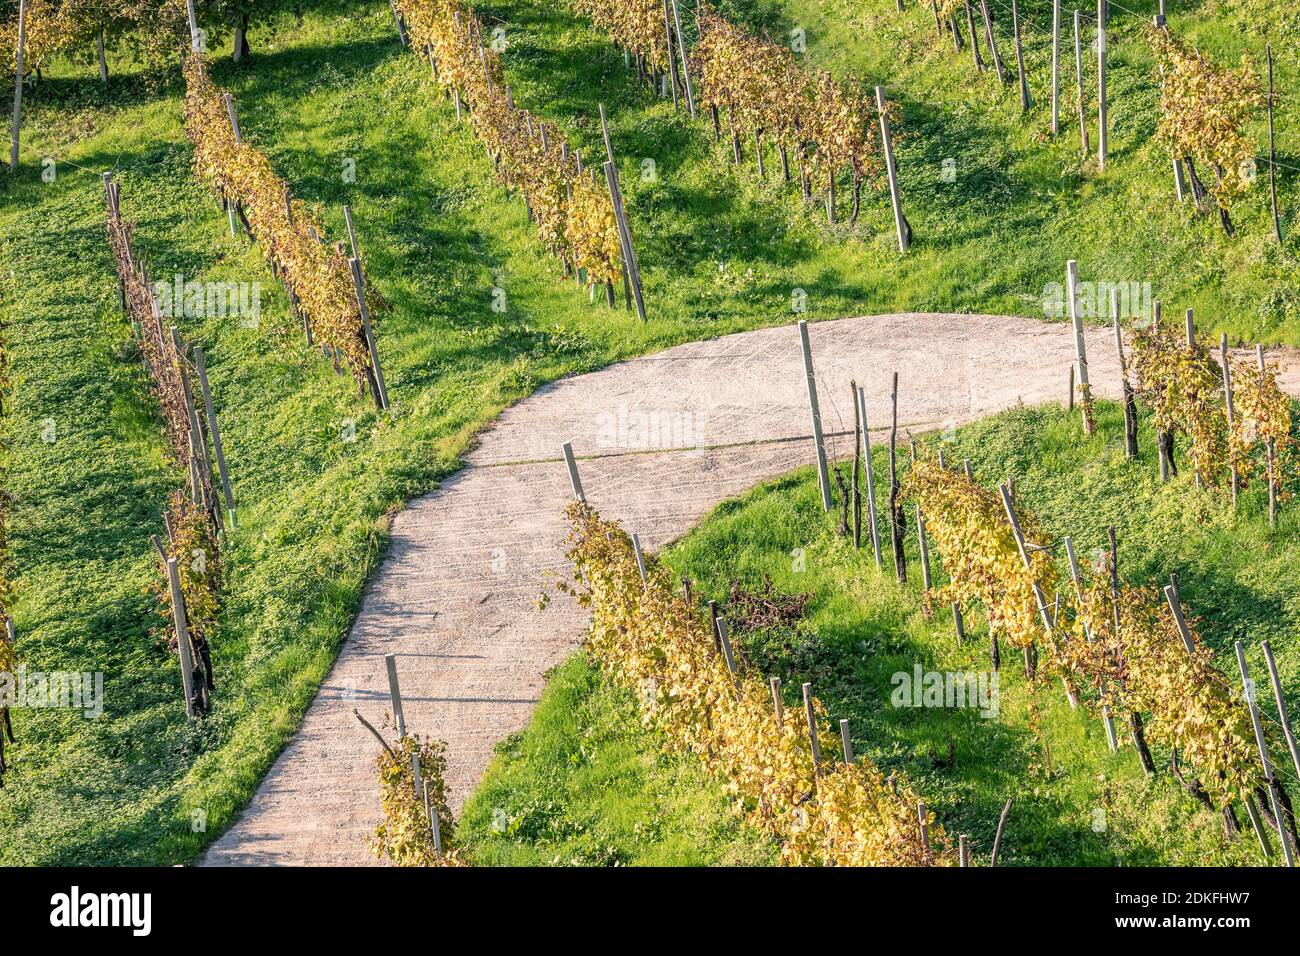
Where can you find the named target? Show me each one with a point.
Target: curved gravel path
(661, 440)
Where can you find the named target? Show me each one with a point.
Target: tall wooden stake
(18, 85)
(1056, 67)
(1103, 131)
(871, 486)
(1078, 73)
(1272, 149)
(1025, 99)
(1080, 345)
(823, 476)
(895, 511)
(901, 225)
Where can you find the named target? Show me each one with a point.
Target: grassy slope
(437, 236)
(1021, 204)
(861, 628)
(584, 784)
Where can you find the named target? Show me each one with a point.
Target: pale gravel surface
(455, 596)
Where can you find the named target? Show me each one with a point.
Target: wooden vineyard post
(901, 225)
(15, 129)
(195, 46)
(671, 76)
(359, 287)
(1002, 826)
(1229, 410)
(421, 788)
(395, 694)
(640, 559)
(1026, 100)
(871, 486)
(435, 824)
(1080, 345)
(992, 41)
(1248, 689)
(1175, 601)
(924, 547)
(958, 625)
(179, 617)
(685, 67)
(963, 850)
(974, 38)
(1078, 73)
(1107, 721)
(200, 363)
(855, 490)
(846, 741)
(724, 641)
(1283, 717)
(401, 27)
(895, 511)
(352, 232)
(575, 482)
(812, 731)
(1126, 390)
(1103, 131)
(624, 232)
(778, 705)
(100, 58)
(1272, 148)
(1270, 451)
(923, 822)
(1056, 67)
(819, 442)
(1049, 625)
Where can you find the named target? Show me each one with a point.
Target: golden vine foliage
(198, 563)
(1184, 387)
(1205, 110)
(632, 24)
(151, 29)
(648, 640)
(1141, 664)
(572, 208)
(1263, 419)
(828, 123)
(405, 837)
(317, 272)
(969, 526)
(192, 523)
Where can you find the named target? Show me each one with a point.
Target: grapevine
(572, 209)
(650, 641)
(316, 273)
(1205, 111)
(825, 124)
(1127, 648)
(1130, 651)
(1183, 386)
(405, 837)
(192, 519)
(968, 524)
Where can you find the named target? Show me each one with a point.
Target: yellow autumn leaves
(651, 642)
(316, 272)
(1124, 651)
(570, 207)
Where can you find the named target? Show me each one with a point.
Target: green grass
(861, 628)
(586, 785)
(720, 254)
